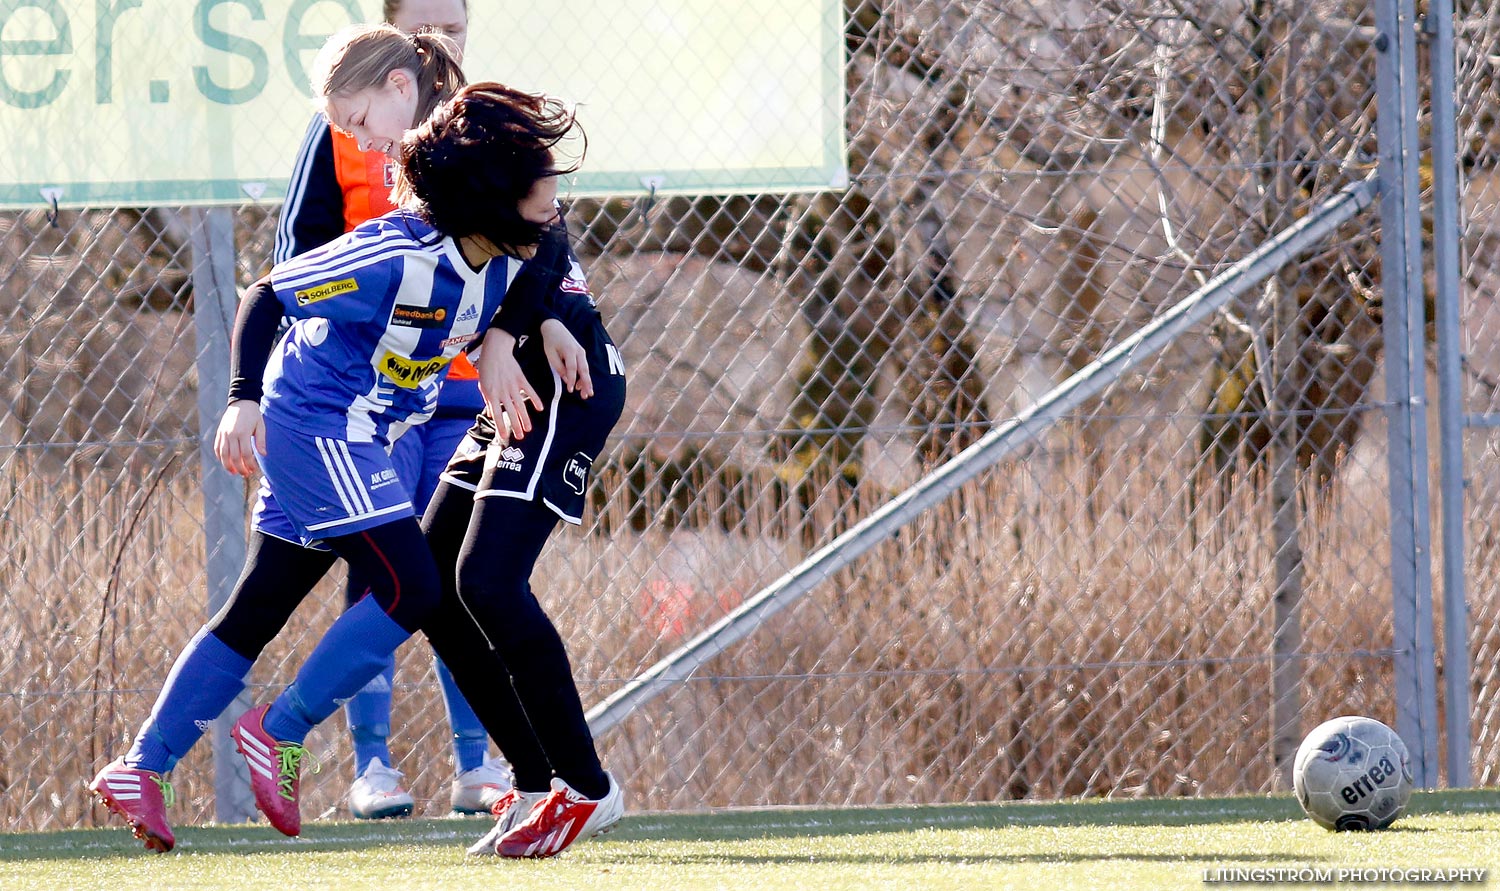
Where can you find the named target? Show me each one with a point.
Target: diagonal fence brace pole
(995, 446)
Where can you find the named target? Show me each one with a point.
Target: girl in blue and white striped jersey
(335, 185)
(379, 313)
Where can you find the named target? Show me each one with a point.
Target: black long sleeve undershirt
(255, 328)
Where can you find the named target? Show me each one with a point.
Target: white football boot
(477, 791)
(377, 794)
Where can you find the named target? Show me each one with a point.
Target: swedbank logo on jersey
(323, 292)
(406, 316)
(408, 373)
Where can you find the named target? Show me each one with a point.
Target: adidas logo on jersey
(468, 315)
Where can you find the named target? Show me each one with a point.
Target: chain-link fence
(1153, 598)
(1477, 51)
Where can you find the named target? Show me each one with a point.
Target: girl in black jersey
(498, 503)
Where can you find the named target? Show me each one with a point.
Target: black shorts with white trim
(554, 461)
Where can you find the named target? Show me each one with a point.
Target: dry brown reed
(1025, 639)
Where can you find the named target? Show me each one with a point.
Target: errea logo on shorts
(510, 459)
(408, 373)
(323, 292)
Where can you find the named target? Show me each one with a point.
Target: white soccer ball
(1352, 773)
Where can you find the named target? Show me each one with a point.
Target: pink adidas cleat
(141, 797)
(275, 770)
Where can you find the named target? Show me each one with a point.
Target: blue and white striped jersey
(378, 314)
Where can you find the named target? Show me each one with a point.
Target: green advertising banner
(149, 102)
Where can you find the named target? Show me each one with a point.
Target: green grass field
(1092, 845)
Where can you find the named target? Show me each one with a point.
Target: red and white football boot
(510, 811)
(562, 818)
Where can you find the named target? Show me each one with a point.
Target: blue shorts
(317, 487)
(422, 453)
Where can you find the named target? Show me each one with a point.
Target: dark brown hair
(467, 167)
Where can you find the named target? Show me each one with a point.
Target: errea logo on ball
(1369, 781)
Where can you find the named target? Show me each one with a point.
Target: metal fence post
(1445, 246)
(214, 298)
(1401, 278)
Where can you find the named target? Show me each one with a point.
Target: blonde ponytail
(361, 56)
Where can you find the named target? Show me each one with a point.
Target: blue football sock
(354, 650)
(204, 680)
(369, 714)
(470, 741)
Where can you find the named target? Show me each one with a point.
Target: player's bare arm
(505, 388)
(240, 437)
(567, 357)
